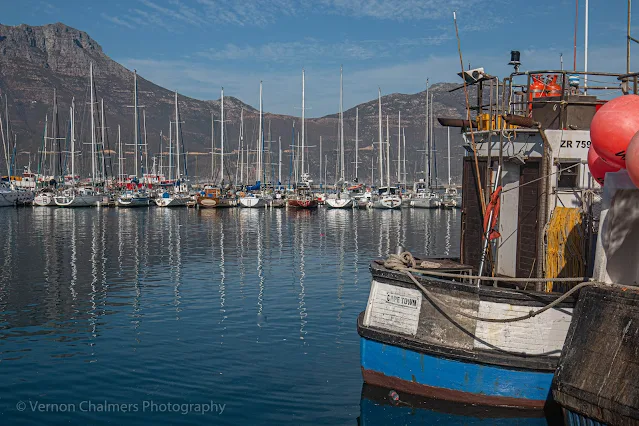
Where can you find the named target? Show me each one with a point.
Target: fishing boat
(214, 197)
(133, 199)
(489, 327)
(78, 197)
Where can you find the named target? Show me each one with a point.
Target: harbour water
(147, 316)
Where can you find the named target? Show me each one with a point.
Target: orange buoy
(613, 126)
(598, 167)
(552, 87)
(632, 159)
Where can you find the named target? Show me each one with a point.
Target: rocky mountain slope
(36, 60)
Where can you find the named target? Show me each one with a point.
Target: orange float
(632, 159)
(613, 126)
(598, 167)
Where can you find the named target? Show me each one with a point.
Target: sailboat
(388, 196)
(174, 198)
(45, 197)
(254, 198)
(303, 197)
(134, 197)
(342, 199)
(423, 195)
(84, 196)
(214, 196)
(451, 198)
(8, 195)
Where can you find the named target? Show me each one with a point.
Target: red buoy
(632, 159)
(613, 126)
(598, 167)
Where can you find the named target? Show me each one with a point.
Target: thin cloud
(117, 21)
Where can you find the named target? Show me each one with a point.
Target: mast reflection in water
(251, 308)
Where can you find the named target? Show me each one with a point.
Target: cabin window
(568, 174)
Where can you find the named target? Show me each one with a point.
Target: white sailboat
(81, 197)
(177, 197)
(451, 198)
(389, 198)
(8, 196)
(423, 195)
(255, 199)
(134, 198)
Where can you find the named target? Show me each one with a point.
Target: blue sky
(197, 46)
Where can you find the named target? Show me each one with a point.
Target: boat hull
(252, 202)
(339, 203)
(425, 203)
(432, 344)
(170, 202)
(388, 203)
(44, 200)
(302, 204)
(133, 202)
(8, 198)
(78, 201)
(432, 376)
(278, 203)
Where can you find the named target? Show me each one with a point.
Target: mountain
(36, 60)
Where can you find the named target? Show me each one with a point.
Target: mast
(242, 146)
(404, 159)
(212, 146)
(427, 142)
(103, 138)
(448, 130)
(341, 125)
(92, 127)
(387, 154)
(161, 155)
(258, 175)
(222, 137)
(177, 138)
(586, 50)
(171, 150)
(146, 146)
(321, 162)
(279, 162)
(120, 168)
(399, 147)
(381, 174)
(303, 135)
(72, 112)
(135, 118)
(356, 140)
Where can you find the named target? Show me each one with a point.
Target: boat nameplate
(393, 308)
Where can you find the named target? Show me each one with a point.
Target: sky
(199, 46)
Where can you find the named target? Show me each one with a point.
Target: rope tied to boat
(406, 263)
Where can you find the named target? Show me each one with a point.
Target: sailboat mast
(212, 146)
(405, 175)
(177, 138)
(136, 121)
(341, 125)
(303, 111)
(448, 129)
(171, 150)
(279, 161)
(146, 146)
(72, 112)
(387, 154)
(161, 154)
(399, 147)
(103, 138)
(356, 141)
(381, 174)
(92, 126)
(121, 154)
(427, 142)
(321, 173)
(222, 136)
(258, 175)
(242, 146)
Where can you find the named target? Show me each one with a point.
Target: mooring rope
(402, 262)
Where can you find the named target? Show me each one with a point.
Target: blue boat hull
(575, 419)
(437, 377)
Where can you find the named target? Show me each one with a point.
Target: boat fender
(492, 207)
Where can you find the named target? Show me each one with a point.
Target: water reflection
(162, 303)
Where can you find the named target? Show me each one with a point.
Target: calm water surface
(254, 309)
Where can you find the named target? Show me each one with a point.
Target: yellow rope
(565, 247)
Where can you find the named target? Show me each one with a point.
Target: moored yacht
(8, 196)
(78, 197)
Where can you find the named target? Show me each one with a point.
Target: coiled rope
(406, 263)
